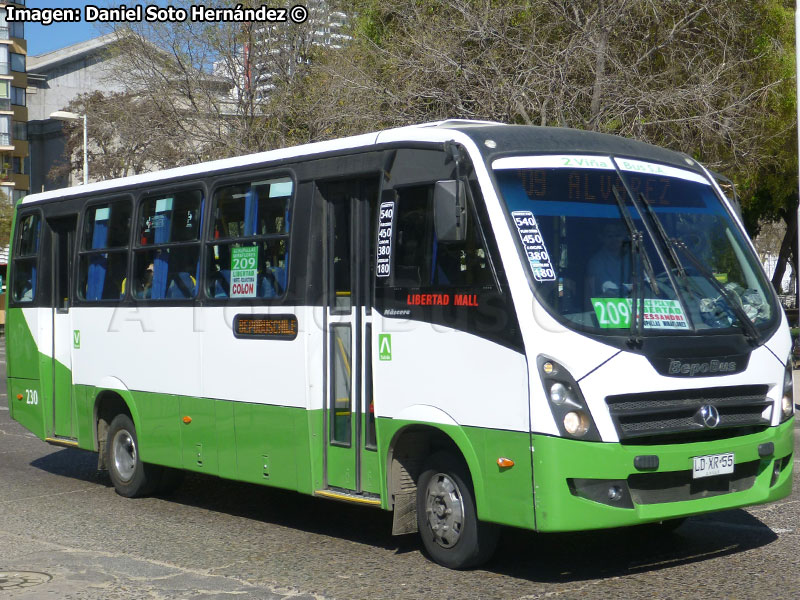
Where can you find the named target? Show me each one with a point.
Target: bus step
(347, 496)
(62, 441)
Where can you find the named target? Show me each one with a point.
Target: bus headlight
(567, 403)
(787, 400)
(576, 423)
(558, 393)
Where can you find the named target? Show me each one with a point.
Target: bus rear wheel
(448, 523)
(130, 476)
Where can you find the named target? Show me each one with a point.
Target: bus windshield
(599, 238)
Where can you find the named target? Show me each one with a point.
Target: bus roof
(493, 139)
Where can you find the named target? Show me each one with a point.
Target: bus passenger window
(166, 259)
(26, 259)
(249, 252)
(103, 262)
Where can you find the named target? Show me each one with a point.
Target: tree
(218, 85)
(6, 216)
(125, 137)
(194, 91)
(710, 78)
(690, 75)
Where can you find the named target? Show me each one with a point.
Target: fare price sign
(615, 313)
(383, 260)
(532, 242)
(244, 272)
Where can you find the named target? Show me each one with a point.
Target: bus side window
(104, 251)
(26, 259)
(248, 252)
(167, 246)
(421, 260)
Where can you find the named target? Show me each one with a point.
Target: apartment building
(14, 151)
(277, 48)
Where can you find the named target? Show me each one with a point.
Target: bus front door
(62, 235)
(350, 461)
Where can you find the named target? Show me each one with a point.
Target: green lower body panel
(27, 403)
(574, 480)
(256, 443)
(502, 495)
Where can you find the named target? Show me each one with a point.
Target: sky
(42, 39)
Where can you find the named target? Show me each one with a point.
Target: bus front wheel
(446, 515)
(130, 476)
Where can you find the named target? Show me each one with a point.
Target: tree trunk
(600, 69)
(788, 249)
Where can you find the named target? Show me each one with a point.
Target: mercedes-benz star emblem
(709, 416)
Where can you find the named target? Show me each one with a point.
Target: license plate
(713, 464)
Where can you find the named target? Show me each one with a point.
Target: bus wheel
(130, 476)
(446, 515)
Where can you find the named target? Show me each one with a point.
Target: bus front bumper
(595, 485)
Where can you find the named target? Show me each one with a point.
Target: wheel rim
(444, 508)
(125, 455)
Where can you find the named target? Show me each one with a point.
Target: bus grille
(678, 411)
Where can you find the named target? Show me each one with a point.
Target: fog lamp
(615, 493)
(776, 471)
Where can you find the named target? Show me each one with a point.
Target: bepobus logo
(677, 367)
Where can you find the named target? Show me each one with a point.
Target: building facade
(14, 150)
(275, 50)
(55, 79)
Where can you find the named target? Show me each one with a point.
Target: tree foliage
(217, 86)
(6, 216)
(710, 78)
(125, 133)
(696, 75)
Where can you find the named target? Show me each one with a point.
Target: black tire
(448, 523)
(131, 477)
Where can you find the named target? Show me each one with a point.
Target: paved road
(64, 533)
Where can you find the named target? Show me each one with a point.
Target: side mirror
(450, 211)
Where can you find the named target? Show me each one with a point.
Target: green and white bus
(469, 324)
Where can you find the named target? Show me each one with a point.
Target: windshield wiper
(664, 237)
(750, 330)
(638, 256)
